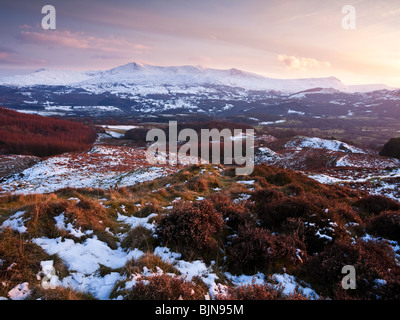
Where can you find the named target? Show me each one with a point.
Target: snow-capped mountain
(138, 90)
(137, 77)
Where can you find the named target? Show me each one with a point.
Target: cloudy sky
(274, 38)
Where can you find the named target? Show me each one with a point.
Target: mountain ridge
(136, 73)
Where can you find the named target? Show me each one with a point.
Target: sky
(273, 38)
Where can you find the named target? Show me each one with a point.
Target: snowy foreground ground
(102, 167)
(112, 167)
(85, 259)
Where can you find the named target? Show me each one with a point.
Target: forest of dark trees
(391, 148)
(41, 136)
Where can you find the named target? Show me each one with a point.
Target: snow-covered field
(101, 167)
(318, 143)
(367, 161)
(84, 260)
(340, 163)
(297, 152)
(378, 182)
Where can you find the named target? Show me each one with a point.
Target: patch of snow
(191, 269)
(266, 123)
(296, 112)
(86, 257)
(290, 284)
(135, 222)
(60, 225)
(15, 222)
(248, 182)
(20, 292)
(267, 152)
(99, 287)
(318, 143)
(258, 278)
(119, 127)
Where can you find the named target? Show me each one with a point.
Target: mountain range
(141, 91)
(138, 74)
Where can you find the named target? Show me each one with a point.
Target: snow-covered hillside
(142, 78)
(101, 167)
(318, 143)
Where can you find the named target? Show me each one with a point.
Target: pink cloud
(80, 40)
(302, 63)
(9, 57)
(4, 55)
(55, 38)
(25, 26)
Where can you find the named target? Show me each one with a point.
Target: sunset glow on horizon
(277, 39)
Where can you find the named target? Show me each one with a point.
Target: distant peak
(235, 71)
(201, 67)
(40, 70)
(137, 64)
(332, 78)
(245, 74)
(133, 65)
